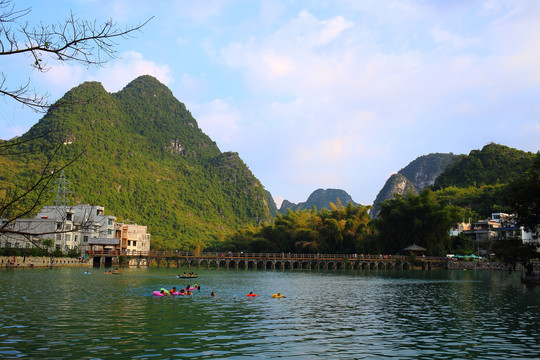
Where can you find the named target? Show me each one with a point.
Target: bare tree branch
(72, 40)
(15, 208)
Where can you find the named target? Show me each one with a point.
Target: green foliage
(494, 164)
(48, 243)
(523, 196)
(481, 202)
(145, 160)
(22, 252)
(73, 253)
(340, 230)
(461, 244)
(424, 220)
(514, 251)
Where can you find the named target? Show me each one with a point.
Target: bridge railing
(261, 256)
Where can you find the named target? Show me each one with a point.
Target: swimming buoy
(251, 295)
(278, 295)
(158, 293)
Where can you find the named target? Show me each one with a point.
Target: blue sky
(320, 94)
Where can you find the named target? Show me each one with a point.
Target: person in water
(213, 294)
(173, 290)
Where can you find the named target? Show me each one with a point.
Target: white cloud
(277, 66)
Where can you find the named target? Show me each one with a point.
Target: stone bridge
(271, 260)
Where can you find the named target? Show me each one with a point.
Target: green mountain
(143, 157)
(494, 164)
(415, 177)
(321, 199)
(478, 181)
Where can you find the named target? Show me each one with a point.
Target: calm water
(64, 314)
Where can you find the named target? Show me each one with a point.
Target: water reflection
(334, 314)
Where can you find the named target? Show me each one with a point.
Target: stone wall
(41, 261)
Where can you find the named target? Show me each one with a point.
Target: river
(64, 314)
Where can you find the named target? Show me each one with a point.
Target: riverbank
(41, 262)
(478, 265)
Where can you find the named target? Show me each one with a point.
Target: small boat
(187, 276)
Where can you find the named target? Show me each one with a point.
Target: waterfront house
(134, 238)
(70, 227)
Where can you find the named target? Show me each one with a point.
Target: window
(68, 226)
(58, 237)
(110, 221)
(76, 238)
(134, 243)
(69, 216)
(85, 239)
(109, 232)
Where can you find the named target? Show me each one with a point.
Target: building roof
(414, 247)
(103, 241)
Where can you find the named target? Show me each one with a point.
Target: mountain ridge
(142, 155)
(415, 177)
(320, 198)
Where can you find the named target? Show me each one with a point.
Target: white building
(70, 227)
(500, 226)
(134, 239)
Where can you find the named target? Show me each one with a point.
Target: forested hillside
(492, 165)
(478, 181)
(320, 199)
(141, 154)
(415, 177)
(411, 217)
